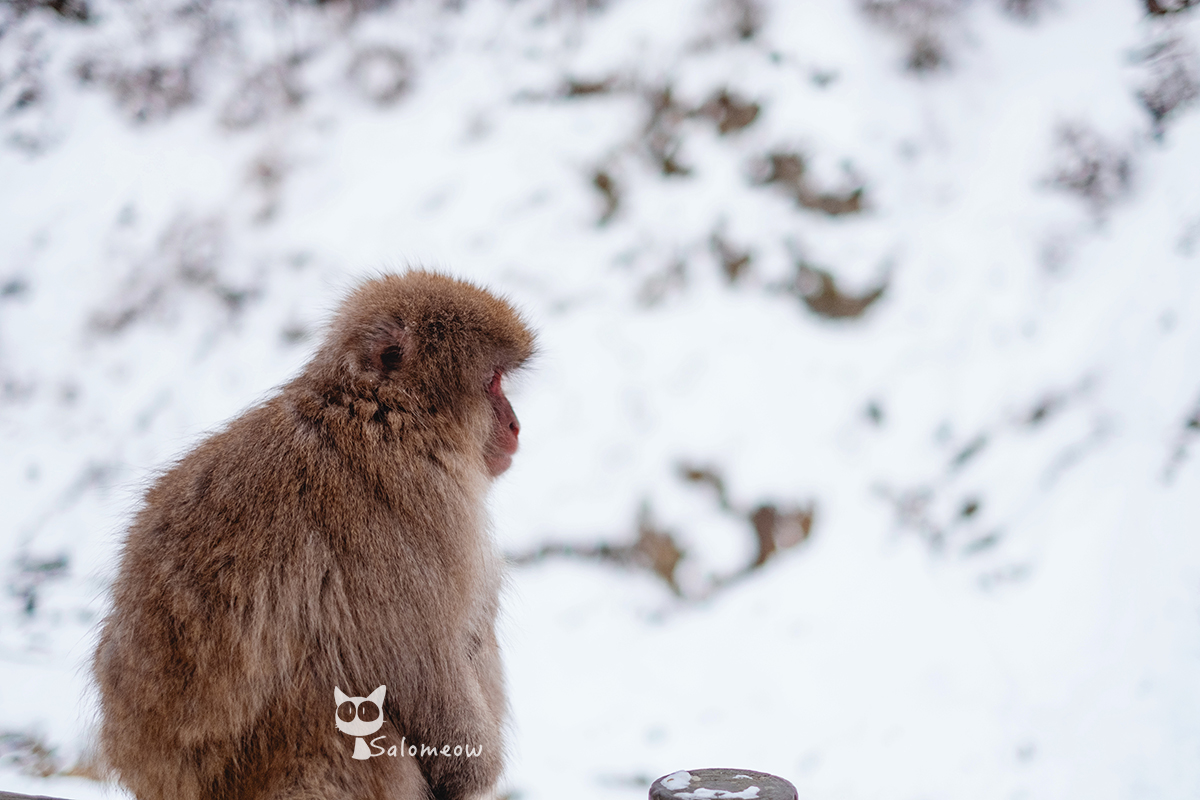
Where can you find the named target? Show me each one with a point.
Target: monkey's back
(266, 567)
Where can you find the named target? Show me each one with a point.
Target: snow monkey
(331, 539)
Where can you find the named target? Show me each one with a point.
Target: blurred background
(862, 446)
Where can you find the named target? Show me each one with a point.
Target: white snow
(748, 793)
(677, 780)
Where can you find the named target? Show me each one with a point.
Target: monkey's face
(359, 716)
(505, 429)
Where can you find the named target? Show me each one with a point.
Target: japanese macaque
(328, 542)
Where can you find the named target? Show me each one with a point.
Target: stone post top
(721, 784)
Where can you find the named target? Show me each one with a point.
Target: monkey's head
(435, 349)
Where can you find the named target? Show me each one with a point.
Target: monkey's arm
(459, 715)
(445, 686)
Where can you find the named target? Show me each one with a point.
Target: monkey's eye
(368, 711)
(494, 386)
(346, 711)
(390, 358)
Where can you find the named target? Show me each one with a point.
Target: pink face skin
(505, 430)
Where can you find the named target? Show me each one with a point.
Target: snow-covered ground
(997, 458)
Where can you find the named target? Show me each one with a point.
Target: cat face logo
(359, 716)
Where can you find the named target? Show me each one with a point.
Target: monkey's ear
(338, 697)
(376, 696)
(387, 347)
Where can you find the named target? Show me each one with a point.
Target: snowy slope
(998, 455)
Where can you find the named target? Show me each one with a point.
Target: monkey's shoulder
(265, 484)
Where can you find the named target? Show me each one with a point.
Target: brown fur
(333, 536)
